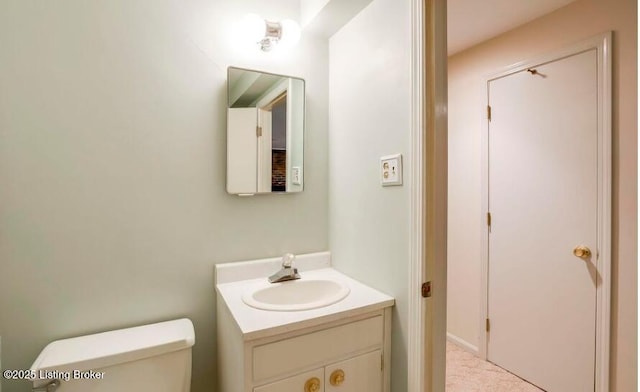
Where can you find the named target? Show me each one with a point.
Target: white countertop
(255, 323)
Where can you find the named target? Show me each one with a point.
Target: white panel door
(543, 203)
(242, 147)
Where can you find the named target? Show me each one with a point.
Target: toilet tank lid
(114, 347)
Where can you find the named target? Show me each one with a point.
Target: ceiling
(246, 86)
(470, 22)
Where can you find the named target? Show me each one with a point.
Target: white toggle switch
(391, 170)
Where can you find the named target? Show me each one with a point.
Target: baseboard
(463, 344)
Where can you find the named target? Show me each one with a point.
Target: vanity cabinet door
(312, 381)
(358, 374)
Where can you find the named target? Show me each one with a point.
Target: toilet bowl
(154, 357)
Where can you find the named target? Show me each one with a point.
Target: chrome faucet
(287, 272)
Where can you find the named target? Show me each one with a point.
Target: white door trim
(602, 43)
(427, 316)
(417, 307)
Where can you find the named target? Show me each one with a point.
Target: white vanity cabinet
(345, 355)
(343, 346)
(361, 373)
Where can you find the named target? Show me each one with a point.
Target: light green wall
(370, 112)
(113, 209)
(112, 163)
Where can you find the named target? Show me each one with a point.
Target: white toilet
(154, 357)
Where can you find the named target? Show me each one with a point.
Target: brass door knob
(337, 377)
(581, 251)
(312, 385)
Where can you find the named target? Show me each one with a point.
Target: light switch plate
(391, 170)
(295, 174)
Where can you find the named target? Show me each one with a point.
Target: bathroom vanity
(343, 346)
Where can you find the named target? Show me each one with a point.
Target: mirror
(265, 132)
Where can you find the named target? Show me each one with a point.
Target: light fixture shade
(290, 33)
(253, 28)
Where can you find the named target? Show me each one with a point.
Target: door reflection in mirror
(265, 132)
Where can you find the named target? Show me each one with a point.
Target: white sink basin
(295, 295)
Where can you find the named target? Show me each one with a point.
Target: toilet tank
(154, 357)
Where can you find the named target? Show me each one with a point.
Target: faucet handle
(287, 259)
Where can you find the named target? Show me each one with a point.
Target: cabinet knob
(312, 385)
(337, 377)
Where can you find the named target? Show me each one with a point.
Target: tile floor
(468, 373)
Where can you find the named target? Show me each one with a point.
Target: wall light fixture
(267, 33)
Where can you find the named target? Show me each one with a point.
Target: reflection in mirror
(265, 132)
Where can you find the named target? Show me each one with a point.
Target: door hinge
(426, 290)
(489, 219)
(258, 131)
(489, 112)
(488, 326)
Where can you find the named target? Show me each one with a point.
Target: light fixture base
(268, 34)
(272, 35)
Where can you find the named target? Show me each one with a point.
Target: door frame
(427, 317)
(602, 44)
